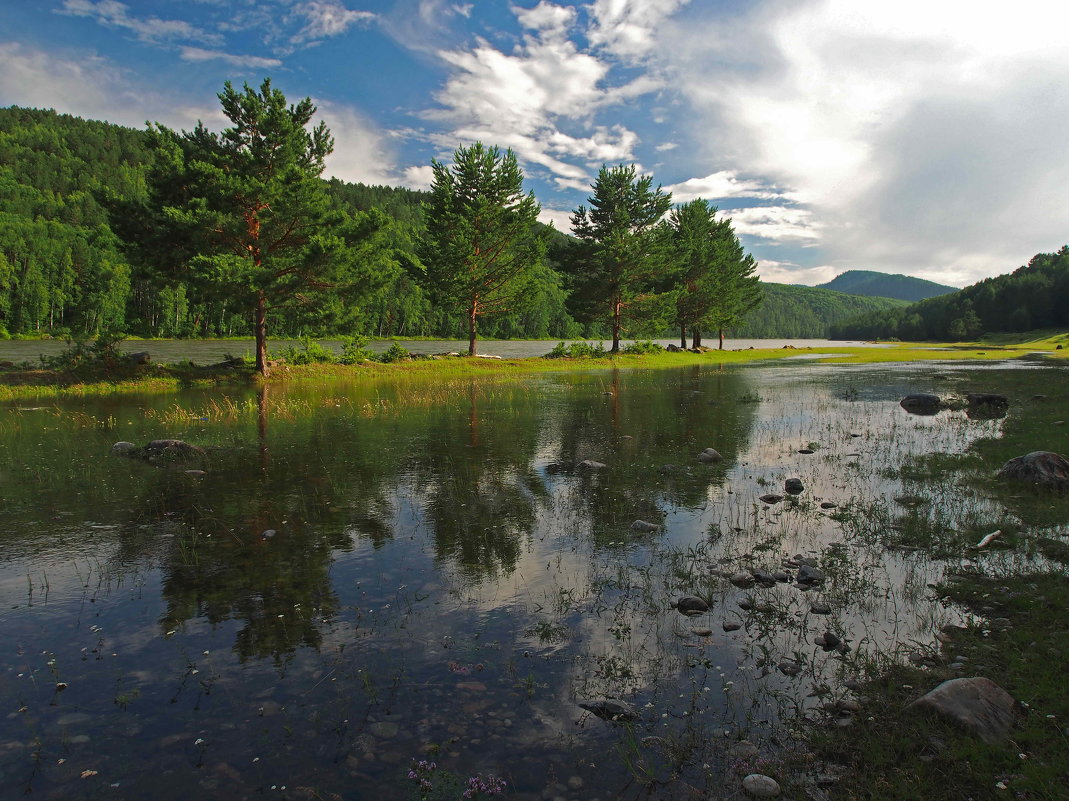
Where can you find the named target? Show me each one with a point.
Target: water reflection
(363, 576)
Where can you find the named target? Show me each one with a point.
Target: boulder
(710, 456)
(1039, 468)
(643, 527)
(793, 486)
(141, 357)
(760, 786)
(807, 574)
(976, 704)
(590, 464)
(921, 403)
(742, 579)
(171, 450)
(125, 449)
(770, 499)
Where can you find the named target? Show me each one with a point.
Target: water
(210, 351)
(355, 578)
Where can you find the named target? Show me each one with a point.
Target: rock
(763, 577)
(976, 704)
(171, 450)
(742, 750)
(742, 580)
(770, 499)
(690, 605)
(789, 667)
(702, 632)
(793, 486)
(644, 527)
(986, 406)
(921, 403)
(730, 625)
(807, 574)
(125, 449)
(782, 576)
(828, 505)
(806, 451)
(760, 786)
(710, 456)
(828, 641)
(611, 710)
(1039, 468)
(590, 464)
(819, 608)
(141, 357)
(746, 604)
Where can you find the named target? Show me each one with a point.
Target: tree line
(199, 232)
(1032, 297)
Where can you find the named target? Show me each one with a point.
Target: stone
(710, 456)
(807, 574)
(141, 357)
(782, 576)
(730, 625)
(828, 641)
(742, 579)
(763, 577)
(171, 450)
(770, 499)
(976, 704)
(760, 786)
(793, 486)
(645, 528)
(590, 464)
(742, 750)
(789, 668)
(702, 632)
(125, 449)
(1038, 468)
(828, 505)
(690, 605)
(611, 710)
(820, 608)
(921, 403)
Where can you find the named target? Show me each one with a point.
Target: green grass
(895, 753)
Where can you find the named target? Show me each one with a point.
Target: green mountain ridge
(870, 283)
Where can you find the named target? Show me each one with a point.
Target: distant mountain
(806, 312)
(884, 285)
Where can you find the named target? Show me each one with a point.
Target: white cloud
(664, 146)
(200, 54)
(418, 177)
(924, 137)
(88, 86)
(114, 14)
(547, 18)
(326, 18)
(777, 223)
(790, 273)
(361, 151)
(720, 185)
(628, 28)
(561, 220)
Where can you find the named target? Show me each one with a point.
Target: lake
(413, 588)
(209, 351)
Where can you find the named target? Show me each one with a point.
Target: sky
(924, 138)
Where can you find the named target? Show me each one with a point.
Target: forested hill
(1032, 297)
(886, 285)
(806, 312)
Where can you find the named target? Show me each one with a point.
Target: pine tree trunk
(473, 320)
(696, 342)
(721, 338)
(617, 313)
(261, 333)
(683, 337)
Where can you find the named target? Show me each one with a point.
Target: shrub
(100, 352)
(395, 353)
(577, 350)
(643, 346)
(354, 351)
(310, 352)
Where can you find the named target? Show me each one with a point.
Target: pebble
(731, 626)
(761, 786)
(703, 632)
(742, 580)
(819, 608)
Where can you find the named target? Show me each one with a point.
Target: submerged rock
(1039, 468)
(770, 499)
(710, 456)
(690, 605)
(643, 527)
(590, 464)
(793, 486)
(807, 574)
(125, 449)
(611, 710)
(742, 579)
(976, 704)
(986, 406)
(173, 450)
(921, 403)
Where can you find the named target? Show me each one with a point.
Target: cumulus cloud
(721, 185)
(418, 177)
(628, 28)
(776, 223)
(790, 273)
(362, 152)
(114, 14)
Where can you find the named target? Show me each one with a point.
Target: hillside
(806, 312)
(886, 285)
(1032, 297)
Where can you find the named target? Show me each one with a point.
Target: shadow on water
(355, 578)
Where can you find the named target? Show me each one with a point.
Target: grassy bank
(115, 376)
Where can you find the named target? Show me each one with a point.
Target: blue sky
(925, 138)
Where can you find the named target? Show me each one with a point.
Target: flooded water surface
(414, 590)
